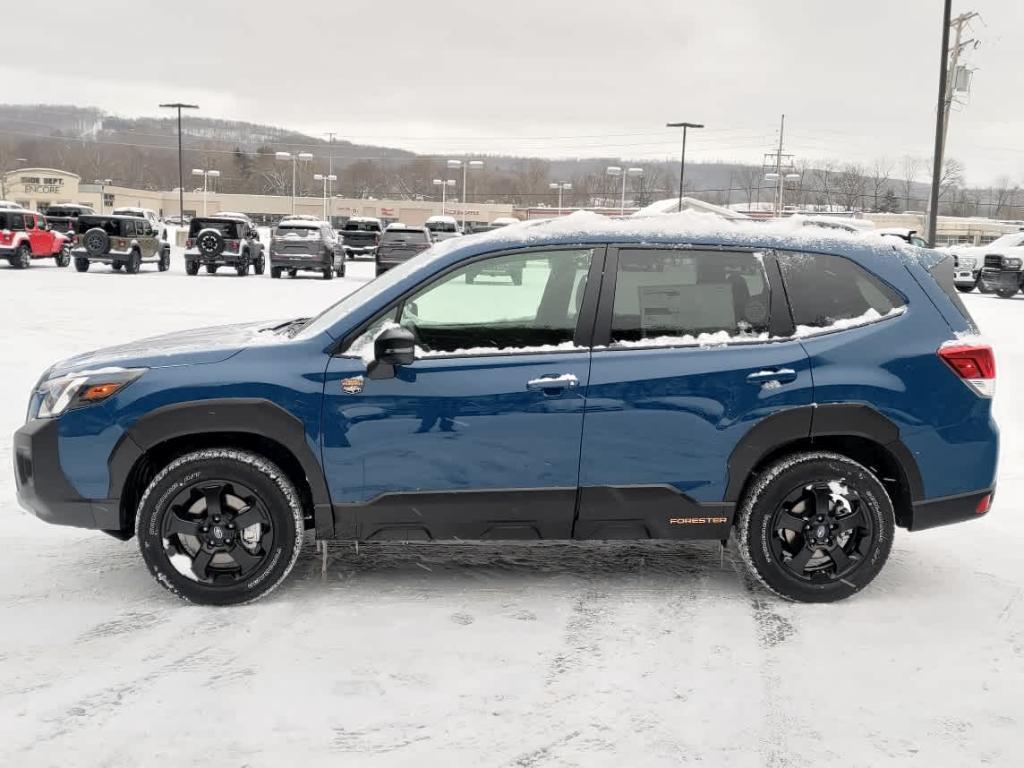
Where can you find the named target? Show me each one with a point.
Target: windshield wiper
(291, 327)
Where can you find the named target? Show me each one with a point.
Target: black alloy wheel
(22, 257)
(821, 531)
(220, 526)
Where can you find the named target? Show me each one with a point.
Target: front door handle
(560, 381)
(779, 375)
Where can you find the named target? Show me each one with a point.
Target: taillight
(232, 245)
(190, 242)
(974, 363)
(120, 244)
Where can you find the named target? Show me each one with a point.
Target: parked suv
(223, 241)
(123, 242)
(361, 235)
(803, 392)
(26, 235)
(443, 228)
(144, 213)
(62, 217)
(398, 244)
(308, 245)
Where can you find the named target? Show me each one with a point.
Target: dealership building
(38, 188)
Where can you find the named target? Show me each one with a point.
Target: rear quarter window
(825, 290)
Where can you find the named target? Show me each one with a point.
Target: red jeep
(25, 235)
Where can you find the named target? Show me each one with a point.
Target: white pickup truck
(969, 259)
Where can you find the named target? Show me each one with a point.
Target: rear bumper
(43, 489)
(950, 509)
(360, 250)
(300, 261)
(221, 259)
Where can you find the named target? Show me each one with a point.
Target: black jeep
(62, 217)
(1002, 275)
(223, 241)
(120, 241)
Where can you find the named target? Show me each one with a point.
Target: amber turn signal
(101, 391)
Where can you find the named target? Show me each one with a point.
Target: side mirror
(395, 346)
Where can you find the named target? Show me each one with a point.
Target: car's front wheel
(1006, 293)
(816, 527)
(220, 526)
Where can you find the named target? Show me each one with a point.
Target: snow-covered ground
(567, 655)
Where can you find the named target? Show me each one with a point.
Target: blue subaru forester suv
(674, 377)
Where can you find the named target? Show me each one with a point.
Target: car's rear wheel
(64, 257)
(22, 257)
(293, 272)
(328, 273)
(211, 269)
(966, 288)
(1006, 293)
(260, 265)
(816, 527)
(116, 266)
(341, 269)
(165, 260)
(134, 263)
(81, 265)
(191, 267)
(220, 526)
(275, 272)
(242, 269)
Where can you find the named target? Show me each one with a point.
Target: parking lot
(490, 655)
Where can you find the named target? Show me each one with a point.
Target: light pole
(207, 175)
(682, 157)
(295, 161)
(325, 179)
(560, 185)
(181, 162)
(444, 184)
(614, 170)
(465, 165)
(103, 185)
(781, 181)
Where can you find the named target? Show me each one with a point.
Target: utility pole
(778, 166)
(948, 62)
(331, 178)
(181, 164)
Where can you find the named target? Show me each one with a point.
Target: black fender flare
(807, 422)
(252, 416)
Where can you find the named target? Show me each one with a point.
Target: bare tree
(851, 184)
(911, 168)
(878, 180)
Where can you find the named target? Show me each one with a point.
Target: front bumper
(43, 489)
(950, 509)
(965, 276)
(993, 279)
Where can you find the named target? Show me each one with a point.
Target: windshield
(361, 226)
(395, 237)
(1011, 240)
(334, 313)
(442, 226)
(297, 230)
(226, 228)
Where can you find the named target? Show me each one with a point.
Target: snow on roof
(364, 218)
(672, 205)
(835, 222)
(503, 221)
(442, 220)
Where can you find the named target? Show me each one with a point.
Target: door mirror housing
(395, 346)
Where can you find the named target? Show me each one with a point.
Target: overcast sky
(559, 78)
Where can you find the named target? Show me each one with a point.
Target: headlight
(1011, 262)
(79, 389)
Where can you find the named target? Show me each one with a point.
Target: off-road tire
(1007, 293)
(966, 288)
(116, 266)
(270, 485)
(242, 269)
(766, 494)
(191, 267)
(81, 265)
(63, 258)
(165, 260)
(275, 272)
(260, 265)
(134, 263)
(22, 258)
(328, 273)
(211, 269)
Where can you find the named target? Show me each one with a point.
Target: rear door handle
(560, 381)
(780, 375)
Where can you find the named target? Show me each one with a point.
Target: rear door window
(667, 297)
(828, 291)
